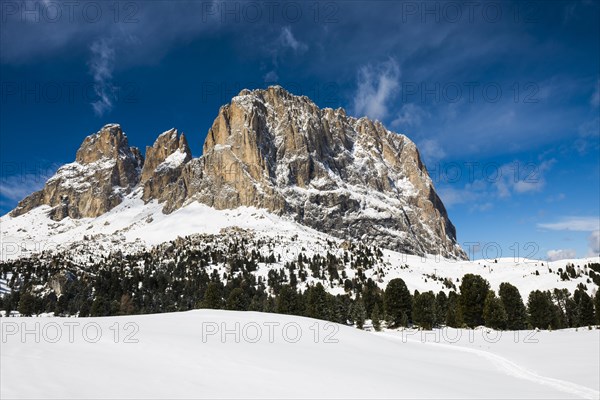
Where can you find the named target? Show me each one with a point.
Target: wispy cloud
(284, 44)
(288, 40)
(377, 85)
(102, 65)
(16, 187)
(431, 150)
(573, 223)
(522, 178)
(468, 194)
(509, 179)
(410, 115)
(561, 254)
(594, 243)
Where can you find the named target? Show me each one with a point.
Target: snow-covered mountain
(133, 227)
(349, 178)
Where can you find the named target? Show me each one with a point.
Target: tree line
(179, 278)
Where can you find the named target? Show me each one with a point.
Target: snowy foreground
(209, 354)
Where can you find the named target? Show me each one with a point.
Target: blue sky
(502, 98)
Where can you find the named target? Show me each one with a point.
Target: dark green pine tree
(585, 308)
(316, 302)
(541, 310)
(397, 303)
(597, 305)
(287, 301)
(359, 313)
(26, 304)
(424, 310)
(473, 291)
(237, 300)
(441, 308)
(453, 314)
(100, 307)
(376, 318)
(212, 296)
(516, 313)
(494, 314)
(564, 307)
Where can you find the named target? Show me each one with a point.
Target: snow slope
(185, 355)
(133, 226)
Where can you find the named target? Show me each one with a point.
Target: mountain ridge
(345, 176)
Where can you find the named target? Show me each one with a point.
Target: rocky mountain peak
(105, 169)
(164, 162)
(108, 143)
(349, 177)
(165, 145)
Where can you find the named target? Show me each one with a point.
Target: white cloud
(431, 150)
(562, 254)
(594, 244)
(410, 115)
(556, 198)
(287, 39)
(451, 196)
(271, 76)
(102, 65)
(481, 207)
(377, 84)
(581, 224)
(521, 178)
(16, 187)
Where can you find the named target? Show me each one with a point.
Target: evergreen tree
(212, 296)
(453, 314)
(597, 305)
(237, 300)
(473, 291)
(441, 308)
(541, 310)
(287, 301)
(397, 303)
(585, 308)
(316, 302)
(424, 310)
(494, 315)
(26, 304)
(516, 313)
(100, 307)
(564, 307)
(376, 318)
(359, 313)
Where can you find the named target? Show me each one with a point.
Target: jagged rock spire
(348, 177)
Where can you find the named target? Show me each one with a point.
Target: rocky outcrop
(163, 165)
(105, 170)
(349, 177)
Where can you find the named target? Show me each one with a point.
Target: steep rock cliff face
(163, 165)
(348, 177)
(105, 169)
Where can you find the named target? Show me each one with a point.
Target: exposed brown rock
(164, 163)
(345, 176)
(349, 177)
(105, 170)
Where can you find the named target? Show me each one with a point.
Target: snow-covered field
(225, 354)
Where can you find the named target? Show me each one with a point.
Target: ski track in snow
(515, 370)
